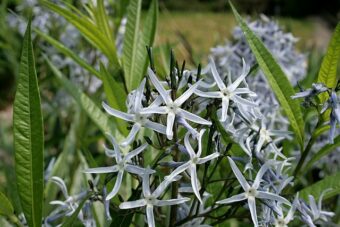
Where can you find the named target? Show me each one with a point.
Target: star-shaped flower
(173, 108)
(150, 200)
(251, 191)
(230, 92)
(123, 164)
(136, 116)
(195, 159)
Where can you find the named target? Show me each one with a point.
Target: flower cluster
(173, 111)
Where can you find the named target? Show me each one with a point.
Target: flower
(316, 89)
(230, 92)
(173, 107)
(136, 116)
(122, 165)
(150, 200)
(195, 159)
(316, 209)
(66, 207)
(332, 103)
(251, 192)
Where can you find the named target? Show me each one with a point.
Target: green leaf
(330, 182)
(135, 42)
(276, 78)
(329, 148)
(130, 45)
(29, 137)
(69, 53)
(102, 19)
(91, 109)
(329, 65)
(87, 28)
(6, 207)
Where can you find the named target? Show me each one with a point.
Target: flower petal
(216, 76)
(188, 146)
(271, 196)
(259, 176)
(146, 185)
(134, 130)
(139, 96)
(169, 125)
(155, 126)
(135, 152)
(237, 82)
(154, 110)
(235, 198)
(238, 175)
(61, 184)
(170, 202)
(194, 118)
(208, 158)
(181, 99)
(138, 170)
(132, 204)
(252, 208)
(117, 186)
(117, 113)
(166, 97)
(225, 106)
(150, 217)
(194, 182)
(208, 94)
(109, 169)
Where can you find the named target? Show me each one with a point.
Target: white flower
(316, 209)
(139, 119)
(230, 92)
(251, 191)
(150, 200)
(172, 107)
(195, 159)
(122, 165)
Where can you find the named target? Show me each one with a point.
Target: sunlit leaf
(276, 78)
(29, 137)
(331, 183)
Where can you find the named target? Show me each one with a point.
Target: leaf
(328, 70)
(329, 148)
(91, 109)
(134, 46)
(276, 78)
(329, 65)
(29, 137)
(102, 19)
(69, 53)
(87, 28)
(6, 207)
(130, 45)
(330, 182)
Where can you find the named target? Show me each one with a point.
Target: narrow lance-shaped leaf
(91, 109)
(329, 183)
(328, 70)
(6, 207)
(130, 45)
(29, 137)
(326, 150)
(87, 28)
(69, 53)
(276, 78)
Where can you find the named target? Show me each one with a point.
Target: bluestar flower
(251, 191)
(136, 116)
(230, 92)
(316, 209)
(123, 165)
(316, 89)
(150, 200)
(195, 159)
(334, 104)
(66, 207)
(173, 108)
